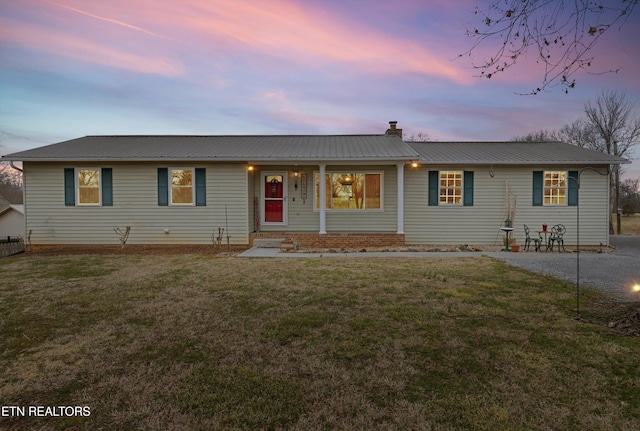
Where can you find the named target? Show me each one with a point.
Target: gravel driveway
(613, 272)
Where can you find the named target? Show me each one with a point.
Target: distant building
(11, 220)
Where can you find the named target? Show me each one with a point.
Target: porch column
(322, 198)
(400, 167)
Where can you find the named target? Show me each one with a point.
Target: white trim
(285, 188)
(440, 187)
(323, 193)
(400, 181)
(553, 188)
(193, 186)
(76, 185)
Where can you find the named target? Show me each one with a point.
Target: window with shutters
(88, 187)
(451, 188)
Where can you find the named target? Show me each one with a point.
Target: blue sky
(70, 68)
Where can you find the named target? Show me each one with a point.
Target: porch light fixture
(250, 168)
(414, 164)
(347, 180)
(295, 176)
(636, 288)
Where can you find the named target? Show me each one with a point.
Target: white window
(181, 186)
(355, 191)
(88, 186)
(555, 188)
(450, 188)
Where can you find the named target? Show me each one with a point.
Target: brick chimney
(393, 130)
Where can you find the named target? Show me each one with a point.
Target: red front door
(274, 198)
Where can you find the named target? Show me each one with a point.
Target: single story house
(333, 190)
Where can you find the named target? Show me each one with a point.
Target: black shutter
(69, 187)
(467, 197)
(163, 187)
(107, 187)
(572, 189)
(538, 180)
(433, 188)
(201, 187)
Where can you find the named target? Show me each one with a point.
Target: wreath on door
(274, 186)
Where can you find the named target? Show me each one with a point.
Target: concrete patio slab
(260, 252)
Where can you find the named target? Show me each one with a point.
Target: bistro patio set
(545, 240)
(552, 237)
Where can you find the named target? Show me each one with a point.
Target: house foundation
(333, 240)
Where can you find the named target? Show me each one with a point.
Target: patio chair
(557, 234)
(528, 240)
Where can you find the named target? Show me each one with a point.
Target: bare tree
(539, 136)
(612, 118)
(581, 133)
(10, 184)
(123, 235)
(560, 32)
(418, 137)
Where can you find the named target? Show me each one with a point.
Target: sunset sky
(70, 68)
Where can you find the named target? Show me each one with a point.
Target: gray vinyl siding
(251, 194)
(135, 204)
(480, 223)
(302, 216)
(230, 185)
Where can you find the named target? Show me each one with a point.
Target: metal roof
(311, 148)
(224, 148)
(510, 153)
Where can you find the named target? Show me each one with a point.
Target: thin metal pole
(577, 180)
(578, 254)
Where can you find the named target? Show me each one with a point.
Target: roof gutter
(378, 160)
(526, 163)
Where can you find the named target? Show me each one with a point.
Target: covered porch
(363, 204)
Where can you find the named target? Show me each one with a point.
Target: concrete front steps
(267, 242)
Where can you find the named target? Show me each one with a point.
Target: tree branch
(562, 33)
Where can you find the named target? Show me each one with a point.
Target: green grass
(630, 225)
(200, 343)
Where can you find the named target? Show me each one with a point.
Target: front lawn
(221, 343)
(630, 225)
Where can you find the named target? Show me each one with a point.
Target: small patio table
(546, 240)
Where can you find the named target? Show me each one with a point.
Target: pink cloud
(61, 43)
(127, 33)
(105, 19)
(283, 109)
(302, 33)
(94, 36)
